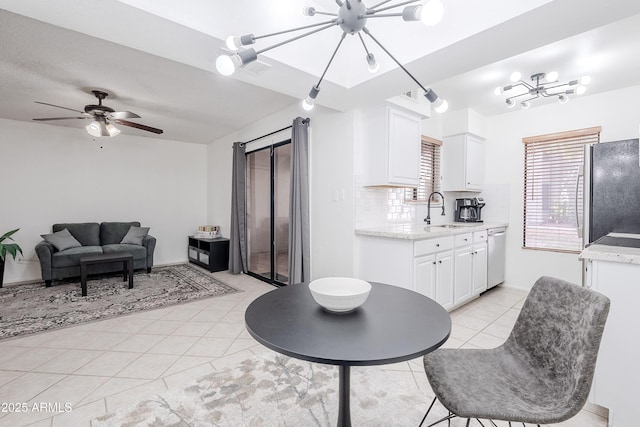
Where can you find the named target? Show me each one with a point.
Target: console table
(212, 254)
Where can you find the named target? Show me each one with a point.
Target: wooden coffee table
(125, 258)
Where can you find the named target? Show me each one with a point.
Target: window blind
(553, 191)
(429, 171)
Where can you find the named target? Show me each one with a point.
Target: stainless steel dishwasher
(497, 240)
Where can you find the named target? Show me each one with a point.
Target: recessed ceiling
(156, 57)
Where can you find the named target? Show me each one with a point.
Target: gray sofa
(95, 239)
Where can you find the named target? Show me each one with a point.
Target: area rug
(30, 308)
(274, 390)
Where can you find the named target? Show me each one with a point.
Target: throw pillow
(61, 240)
(135, 235)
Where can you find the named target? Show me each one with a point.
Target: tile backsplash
(378, 206)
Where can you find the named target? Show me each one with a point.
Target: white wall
(55, 174)
(616, 112)
(331, 180)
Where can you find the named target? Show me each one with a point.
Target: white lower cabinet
(449, 269)
(479, 268)
(616, 376)
(470, 275)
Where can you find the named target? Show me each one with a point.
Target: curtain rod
(305, 121)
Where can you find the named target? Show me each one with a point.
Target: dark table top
(393, 325)
(115, 256)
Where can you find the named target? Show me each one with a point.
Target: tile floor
(68, 376)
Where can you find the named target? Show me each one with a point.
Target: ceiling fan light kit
(102, 116)
(544, 85)
(352, 17)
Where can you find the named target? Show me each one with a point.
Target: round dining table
(393, 325)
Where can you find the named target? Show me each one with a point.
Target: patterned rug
(30, 308)
(275, 390)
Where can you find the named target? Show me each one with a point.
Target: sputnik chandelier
(545, 85)
(352, 17)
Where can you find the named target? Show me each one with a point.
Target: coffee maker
(469, 210)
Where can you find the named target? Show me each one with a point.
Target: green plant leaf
(8, 235)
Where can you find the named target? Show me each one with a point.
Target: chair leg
(468, 421)
(428, 410)
(479, 422)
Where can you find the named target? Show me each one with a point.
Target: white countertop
(415, 231)
(613, 253)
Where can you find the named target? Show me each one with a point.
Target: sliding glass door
(268, 182)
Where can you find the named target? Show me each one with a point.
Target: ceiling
(156, 58)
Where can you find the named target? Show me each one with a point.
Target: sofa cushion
(71, 257)
(87, 233)
(61, 240)
(135, 235)
(138, 252)
(113, 232)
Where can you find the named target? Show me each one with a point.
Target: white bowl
(339, 294)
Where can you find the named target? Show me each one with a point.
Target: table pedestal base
(344, 408)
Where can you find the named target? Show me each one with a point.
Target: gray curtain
(238, 236)
(299, 247)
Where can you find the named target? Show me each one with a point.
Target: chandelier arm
(558, 85)
(380, 4)
(373, 10)
(366, 31)
(332, 21)
(523, 94)
(363, 43)
(298, 37)
(382, 15)
(330, 60)
(325, 13)
(523, 83)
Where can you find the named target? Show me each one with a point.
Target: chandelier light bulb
(233, 43)
(515, 76)
(308, 11)
(308, 103)
(498, 91)
(373, 64)
(525, 105)
(581, 89)
(440, 105)
(510, 103)
(552, 76)
(432, 12)
(585, 80)
(225, 65)
(563, 99)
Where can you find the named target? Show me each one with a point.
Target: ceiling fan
(102, 117)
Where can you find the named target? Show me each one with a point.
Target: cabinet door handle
(440, 262)
(434, 263)
(466, 240)
(437, 245)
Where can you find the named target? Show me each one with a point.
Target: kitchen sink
(450, 226)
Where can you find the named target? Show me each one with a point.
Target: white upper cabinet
(462, 163)
(391, 147)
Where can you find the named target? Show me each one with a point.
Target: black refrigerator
(613, 201)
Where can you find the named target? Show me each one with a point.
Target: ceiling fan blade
(138, 126)
(60, 118)
(123, 115)
(59, 106)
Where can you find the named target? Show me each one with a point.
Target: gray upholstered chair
(542, 373)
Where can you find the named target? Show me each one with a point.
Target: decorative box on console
(208, 232)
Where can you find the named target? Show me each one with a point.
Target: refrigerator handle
(580, 173)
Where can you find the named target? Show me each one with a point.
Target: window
(553, 191)
(429, 171)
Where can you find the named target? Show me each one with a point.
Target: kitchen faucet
(428, 218)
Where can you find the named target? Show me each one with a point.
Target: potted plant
(7, 248)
